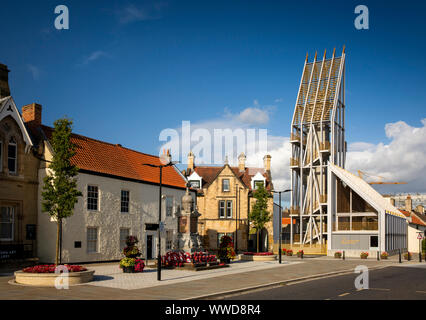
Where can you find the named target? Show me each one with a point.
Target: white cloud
(253, 116)
(35, 71)
(94, 56)
(403, 159)
(132, 13)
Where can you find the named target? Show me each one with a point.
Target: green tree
(259, 215)
(60, 192)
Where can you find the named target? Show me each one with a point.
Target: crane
(361, 174)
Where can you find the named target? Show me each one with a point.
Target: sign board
(419, 236)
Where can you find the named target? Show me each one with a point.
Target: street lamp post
(281, 222)
(161, 166)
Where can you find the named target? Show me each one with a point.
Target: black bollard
(420, 257)
(343, 255)
(301, 256)
(400, 261)
(378, 256)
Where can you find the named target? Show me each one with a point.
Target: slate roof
(210, 173)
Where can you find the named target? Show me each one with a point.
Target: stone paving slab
(195, 288)
(113, 277)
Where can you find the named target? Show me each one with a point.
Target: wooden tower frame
(317, 137)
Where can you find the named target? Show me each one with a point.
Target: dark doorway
(149, 247)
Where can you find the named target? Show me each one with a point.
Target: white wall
(108, 219)
(413, 242)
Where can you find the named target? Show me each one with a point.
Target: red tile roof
(113, 159)
(209, 174)
(414, 218)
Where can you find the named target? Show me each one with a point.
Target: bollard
(378, 256)
(301, 256)
(400, 261)
(420, 257)
(408, 255)
(343, 255)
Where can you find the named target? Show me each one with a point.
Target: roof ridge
(105, 142)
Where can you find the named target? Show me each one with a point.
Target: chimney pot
(4, 81)
(267, 162)
(242, 162)
(191, 158)
(31, 114)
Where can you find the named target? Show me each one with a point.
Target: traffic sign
(419, 236)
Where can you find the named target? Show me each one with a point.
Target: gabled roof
(414, 218)
(114, 160)
(8, 108)
(365, 191)
(210, 173)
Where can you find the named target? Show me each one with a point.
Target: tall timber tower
(317, 137)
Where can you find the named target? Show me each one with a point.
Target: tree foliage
(259, 215)
(60, 192)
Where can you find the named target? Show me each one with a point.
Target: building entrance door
(149, 246)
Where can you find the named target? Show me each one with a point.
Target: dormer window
(195, 184)
(12, 156)
(258, 183)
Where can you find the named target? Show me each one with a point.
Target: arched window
(12, 156)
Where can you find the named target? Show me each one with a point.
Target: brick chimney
(267, 162)
(31, 114)
(191, 158)
(408, 203)
(242, 162)
(4, 81)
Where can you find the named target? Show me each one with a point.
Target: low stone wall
(48, 279)
(259, 258)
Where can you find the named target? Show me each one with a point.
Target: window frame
(126, 202)
(220, 209)
(91, 240)
(12, 142)
(121, 240)
(172, 199)
(255, 182)
(223, 185)
(198, 184)
(169, 239)
(231, 208)
(97, 197)
(12, 222)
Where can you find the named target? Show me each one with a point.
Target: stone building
(18, 178)
(120, 198)
(225, 198)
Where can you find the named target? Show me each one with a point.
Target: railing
(356, 226)
(296, 137)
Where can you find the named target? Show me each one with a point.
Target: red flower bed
(177, 259)
(258, 253)
(50, 268)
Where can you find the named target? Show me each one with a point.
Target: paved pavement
(396, 283)
(110, 283)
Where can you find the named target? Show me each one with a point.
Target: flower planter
(48, 279)
(129, 269)
(254, 257)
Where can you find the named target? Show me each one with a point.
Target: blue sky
(125, 70)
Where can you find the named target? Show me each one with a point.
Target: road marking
(380, 289)
(421, 291)
(344, 294)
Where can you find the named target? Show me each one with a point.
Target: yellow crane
(361, 174)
